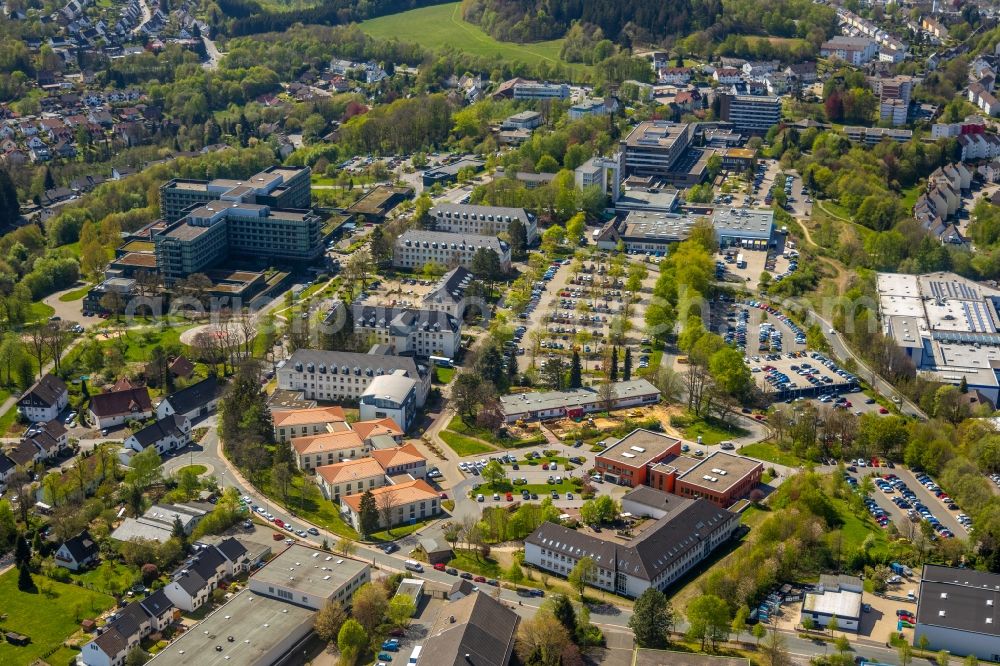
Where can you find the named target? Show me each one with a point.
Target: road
(213, 53)
(842, 352)
(146, 16)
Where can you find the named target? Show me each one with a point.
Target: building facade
(277, 187)
(416, 248)
(482, 220)
(754, 114)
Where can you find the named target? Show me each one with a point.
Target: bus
(441, 361)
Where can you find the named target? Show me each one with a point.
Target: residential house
(193, 583)
(114, 408)
(676, 76)
(44, 400)
(130, 625)
(7, 469)
(476, 629)
(165, 435)
(194, 402)
(350, 477)
(727, 75)
(405, 459)
(78, 552)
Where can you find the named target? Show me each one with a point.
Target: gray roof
(395, 387)
(467, 211)
(165, 427)
(478, 626)
(451, 287)
(82, 546)
(46, 390)
(455, 240)
(157, 603)
(518, 403)
(960, 599)
(195, 396)
(402, 321)
(232, 549)
(685, 528)
(191, 583)
(350, 360)
(207, 562)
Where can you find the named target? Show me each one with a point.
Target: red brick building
(627, 461)
(721, 478)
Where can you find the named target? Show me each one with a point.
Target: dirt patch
(562, 428)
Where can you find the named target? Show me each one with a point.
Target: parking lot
(901, 497)
(755, 327)
(579, 309)
(800, 373)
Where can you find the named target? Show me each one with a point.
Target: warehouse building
(647, 231)
(957, 610)
(543, 405)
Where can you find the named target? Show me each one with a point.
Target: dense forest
(653, 21)
(248, 17)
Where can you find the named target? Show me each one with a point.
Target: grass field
(197, 469)
(442, 25)
(75, 295)
(109, 577)
(48, 619)
(711, 431)
(471, 561)
(318, 510)
(462, 445)
(770, 453)
(39, 311)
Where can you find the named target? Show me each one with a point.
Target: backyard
(48, 616)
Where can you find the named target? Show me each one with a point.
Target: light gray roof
(518, 403)
(393, 387)
(350, 360)
(446, 239)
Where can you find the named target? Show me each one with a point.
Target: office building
(309, 577)
(627, 461)
(212, 232)
(721, 478)
(531, 90)
(482, 220)
(958, 610)
(337, 375)
(596, 106)
(476, 629)
(525, 120)
(872, 136)
(658, 148)
(415, 248)
(751, 114)
(654, 232)
(669, 536)
(275, 187)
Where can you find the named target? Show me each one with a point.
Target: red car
(545, 466)
(479, 579)
(439, 566)
(279, 522)
(883, 410)
(510, 497)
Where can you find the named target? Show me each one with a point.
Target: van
(413, 565)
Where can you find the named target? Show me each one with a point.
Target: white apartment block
(408, 331)
(853, 50)
(337, 375)
(484, 220)
(416, 248)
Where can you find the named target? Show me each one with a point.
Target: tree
(739, 624)
(708, 619)
(518, 240)
(575, 371)
(842, 644)
(575, 227)
(25, 582)
(281, 479)
(401, 609)
(486, 266)
(137, 657)
(651, 619)
(758, 632)
(344, 546)
(351, 640)
(515, 574)
(905, 653)
(832, 626)
(774, 651)
(552, 238)
(613, 374)
(603, 509)
(144, 468)
(494, 474)
(583, 571)
(10, 208)
(808, 623)
(368, 606)
(562, 609)
(627, 367)
(943, 658)
(541, 640)
(553, 373)
(368, 514)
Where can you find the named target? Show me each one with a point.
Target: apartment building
(275, 187)
(338, 375)
(312, 451)
(290, 423)
(410, 501)
(754, 114)
(675, 535)
(351, 477)
(416, 248)
(853, 50)
(406, 331)
(482, 220)
(392, 396)
(448, 295)
(213, 231)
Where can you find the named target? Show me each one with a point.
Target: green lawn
(197, 469)
(75, 295)
(39, 311)
(771, 453)
(48, 619)
(443, 375)
(856, 529)
(8, 419)
(442, 25)
(465, 560)
(109, 577)
(397, 532)
(711, 431)
(457, 425)
(462, 445)
(319, 511)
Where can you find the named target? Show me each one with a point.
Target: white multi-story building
(44, 400)
(532, 90)
(853, 50)
(483, 220)
(337, 375)
(448, 295)
(416, 248)
(390, 397)
(406, 331)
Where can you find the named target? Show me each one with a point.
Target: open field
(462, 445)
(48, 616)
(442, 25)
